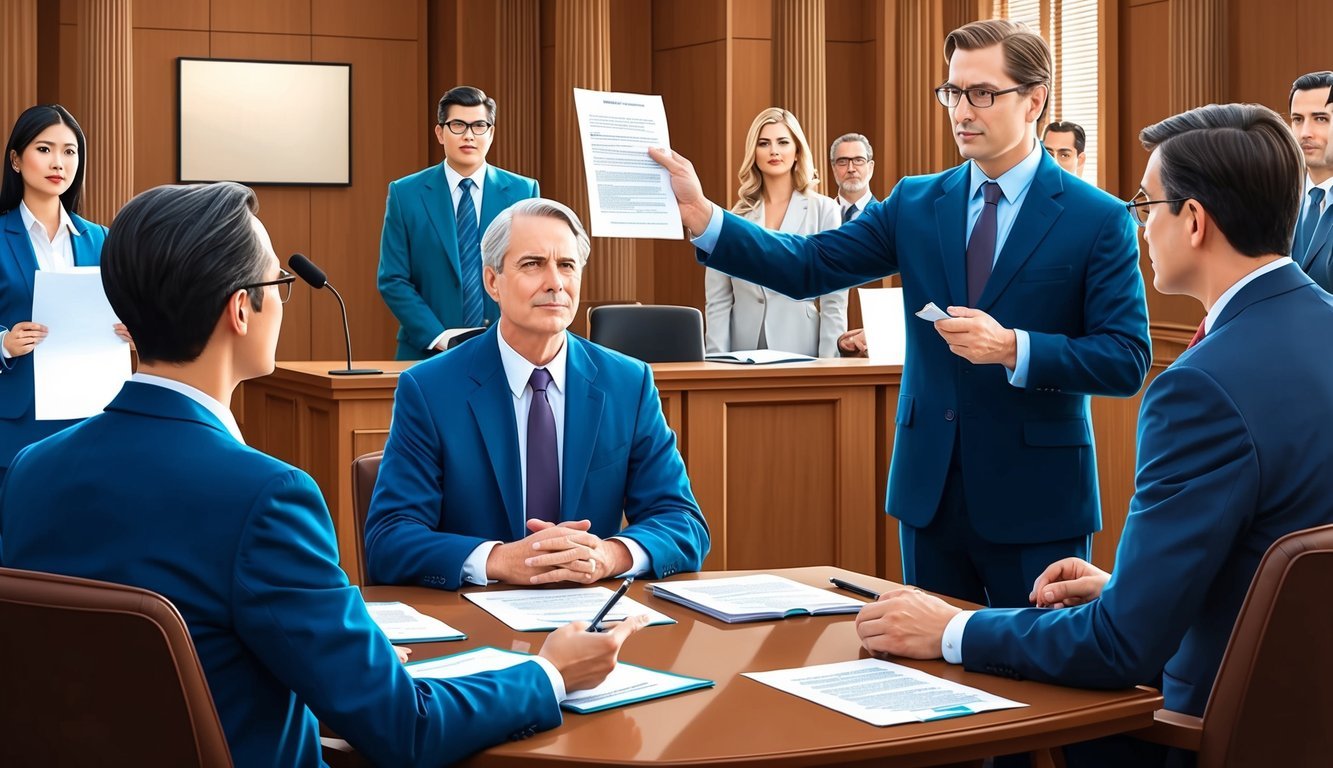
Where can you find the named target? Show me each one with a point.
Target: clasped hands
(552, 553)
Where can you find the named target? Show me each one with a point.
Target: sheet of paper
(402, 623)
(755, 597)
(883, 319)
(757, 357)
(626, 684)
(629, 195)
(541, 610)
(930, 313)
(881, 692)
(82, 363)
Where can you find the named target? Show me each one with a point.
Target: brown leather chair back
(365, 469)
(93, 673)
(1272, 702)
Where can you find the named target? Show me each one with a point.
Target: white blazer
(736, 309)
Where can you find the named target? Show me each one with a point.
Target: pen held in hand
(596, 625)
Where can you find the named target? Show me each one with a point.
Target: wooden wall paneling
(1108, 93)
(1265, 44)
(1115, 433)
(673, 410)
(752, 92)
(882, 20)
(106, 80)
(291, 17)
(632, 71)
(48, 55)
(178, 14)
(442, 67)
(19, 40)
(844, 21)
(1314, 20)
(888, 547)
(384, 19)
(518, 51)
(248, 45)
(67, 81)
(548, 151)
(682, 23)
(751, 19)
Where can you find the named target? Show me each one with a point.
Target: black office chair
(653, 334)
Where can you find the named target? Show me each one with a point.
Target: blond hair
(804, 177)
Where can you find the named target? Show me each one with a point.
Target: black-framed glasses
(284, 282)
(1138, 206)
(459, 127)
(950, 96)
(855, 162)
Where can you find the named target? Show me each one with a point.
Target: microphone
(307, 271)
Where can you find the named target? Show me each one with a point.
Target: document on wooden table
(402, 623)
(542, 610)
(757, 357)
(627, 683)
(754, 598)
(82, 363)
(881, 692)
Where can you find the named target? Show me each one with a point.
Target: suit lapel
(438, 201)
(492, 407)
(1035, 218)
(951, 221)
(494, 198)
(81, 244)
(20, 247)
(1320, 241)
(583, 418)
(795, 215)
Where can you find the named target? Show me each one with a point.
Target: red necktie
(1198, 335)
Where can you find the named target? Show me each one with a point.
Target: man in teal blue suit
(1228, 460)
(160, 492)
(430, 262)
(514, 456)
(993, 473)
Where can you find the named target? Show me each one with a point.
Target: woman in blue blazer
(39, 205)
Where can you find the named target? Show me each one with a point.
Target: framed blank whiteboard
(264, 122)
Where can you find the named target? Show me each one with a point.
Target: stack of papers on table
(402, 623)
(757, 357)
(542, 610)
(627, 683)
(754, 598)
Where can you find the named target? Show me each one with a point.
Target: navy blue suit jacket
(1068, 274)
(1233, 454)
(450, 479)
(419, 273)
(18, 265)
(155, 493)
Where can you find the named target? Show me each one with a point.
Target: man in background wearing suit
(514, 456)
(1223, 470)
(1067, 143)
(160, 492)
(430, 257)
(853, 161)
(1311, 115)
(993, 474)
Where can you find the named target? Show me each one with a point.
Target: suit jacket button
(949, 415)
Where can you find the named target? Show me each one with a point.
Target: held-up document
(627, 683)
(82, 363)
(881, 692)
(885, 326)
(402, 623)
(629, 194)
(542, 610)
(754, 598)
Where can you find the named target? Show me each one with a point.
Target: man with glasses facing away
(430, 247)
(993, 474)
(161, 492)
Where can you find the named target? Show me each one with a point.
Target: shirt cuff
(4, 353)
(436, 341)
(951, 644)
(707, 240)
(1018, 377)
(640, 557)
(474, 567)
(557, 682)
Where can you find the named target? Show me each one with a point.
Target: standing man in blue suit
(161, 492)
(1224, 468)
(514, 457)
(993, 473)
(430, 258)
(1311, 104)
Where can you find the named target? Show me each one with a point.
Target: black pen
(850, 587)
(595, 626)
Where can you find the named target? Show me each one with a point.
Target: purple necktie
(543, 463)
(981, 248)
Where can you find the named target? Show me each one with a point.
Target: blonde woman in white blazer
(777, 191)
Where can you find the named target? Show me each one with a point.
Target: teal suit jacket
(18, 265)
(450, 479)
(156, 493)
(419, 273)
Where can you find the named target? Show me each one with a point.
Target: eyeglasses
(980, 98)
(855, 162)
(478, 128)
(284, 283)
(1138, 207)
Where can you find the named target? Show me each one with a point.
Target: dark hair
(465, 96)
(173, 257)
(1309, 82)
(30, 124)
(1027, 58)
(1064, 126)
(1241, 163)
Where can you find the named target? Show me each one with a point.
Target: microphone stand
(347, 334)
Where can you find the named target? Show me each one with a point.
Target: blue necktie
(543, 462)
(981, 247)
(848, 213)
(1305, 232)
(469, 254)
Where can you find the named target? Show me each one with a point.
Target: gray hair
(495, 243)
(833, 148)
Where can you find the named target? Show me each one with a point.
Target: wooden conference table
(743, 722)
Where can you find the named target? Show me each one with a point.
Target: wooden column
(106, 77)
(1198, 53)
(518, 65)
(799, 71)
(18, 59)
(583, 60)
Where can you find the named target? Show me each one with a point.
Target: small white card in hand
(930, 313)
(402, 623)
